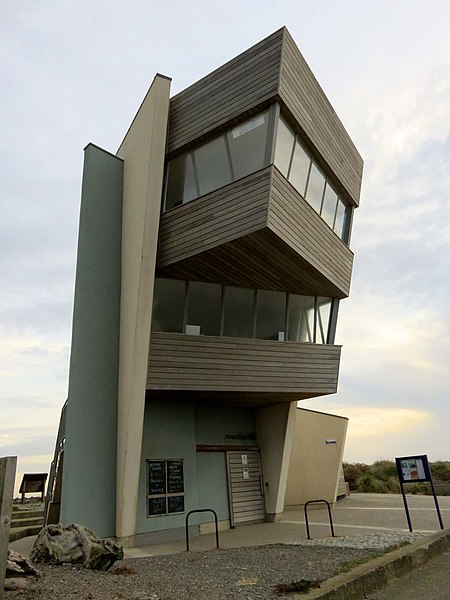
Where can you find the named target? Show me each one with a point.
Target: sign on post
(415, 469)
(7, 477)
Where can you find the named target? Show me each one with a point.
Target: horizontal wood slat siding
(215, 219)
(245, 82)
(295, 222)
(302, 95)
(184, 362)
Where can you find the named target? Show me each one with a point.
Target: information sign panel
(156, 477)
(175, 480)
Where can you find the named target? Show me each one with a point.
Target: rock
(75, 544)
(20, 573)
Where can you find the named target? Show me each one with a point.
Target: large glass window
(284, 146)
(204, 305)
(301, 318)
(213, 165)
(238, 312)
(329, 205)
(323, 319)
(247, 142)
(214, 309)
(340, 219)
(168, 305)
(300, 168)
(181, 186)
(270, 315)
(316, 185)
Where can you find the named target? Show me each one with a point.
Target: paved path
(430, 582)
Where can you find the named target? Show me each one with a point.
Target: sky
(75, 72)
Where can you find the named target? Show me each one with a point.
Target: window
(299, 172)
(316, 185)
(247, 143)
(204, 305)
(200, 308)
(165, 487)
(270, 315)
(238, 152)
(238, 312)
(295, 163)
(213, 165)
(168, 305)
(301, 318)
(284, 146)
(181, 186)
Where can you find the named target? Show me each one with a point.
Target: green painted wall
(214, 425)
(89, 481)
(169, 433)
(212, 485)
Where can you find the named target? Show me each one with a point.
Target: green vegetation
(381, 477)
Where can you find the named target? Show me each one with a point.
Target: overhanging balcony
(256, 232)
(239, 371)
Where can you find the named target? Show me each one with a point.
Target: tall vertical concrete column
(275, 430)
(143, 151)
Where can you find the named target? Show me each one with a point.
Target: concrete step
(20, 532)
(32, 522)
(18, 515)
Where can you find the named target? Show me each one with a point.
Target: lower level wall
(316, 457)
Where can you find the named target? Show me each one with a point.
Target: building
(213, 253)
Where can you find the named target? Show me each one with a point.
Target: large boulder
(75, 544)
(20, 573)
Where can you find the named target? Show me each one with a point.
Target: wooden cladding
(256, 232)
(271, 71)
(269, 370)
(295, 222)
(237, 88)
(215, 219)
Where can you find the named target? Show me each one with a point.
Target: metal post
(7, 477)
(408, 518)
(438, 510)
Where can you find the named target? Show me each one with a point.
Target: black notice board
(156, 477)
(156, 506)
(175, 478)
(175, 504)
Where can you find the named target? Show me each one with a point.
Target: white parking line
(359, 526)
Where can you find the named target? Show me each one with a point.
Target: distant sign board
(413, 469)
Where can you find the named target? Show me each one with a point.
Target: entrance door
(245, 487)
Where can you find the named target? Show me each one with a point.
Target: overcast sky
(76, 72)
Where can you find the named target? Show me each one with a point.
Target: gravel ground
(238, 573)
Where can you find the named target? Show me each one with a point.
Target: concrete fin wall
(89, 481)
(143, 151)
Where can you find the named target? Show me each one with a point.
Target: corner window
(236, 153)
(165, 487)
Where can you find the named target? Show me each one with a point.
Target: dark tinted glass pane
(156, 506)
(204, 308)
(301, 318)
(340, 218)
(247, 143)
(180, 181)
(300, 168)
(270, 315)
(168, 305)
(213, 167)
(284, 146)
(323, 319)
(238, 312)
(316, 184)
